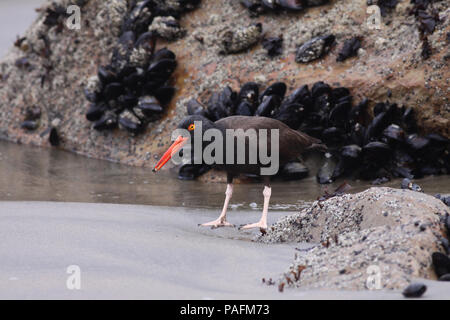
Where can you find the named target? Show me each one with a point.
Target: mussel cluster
(441, 260)
(427, 19)
(135, 87)
(257, 7)
(360, 145)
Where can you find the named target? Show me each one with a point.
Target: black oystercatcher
(290, 143)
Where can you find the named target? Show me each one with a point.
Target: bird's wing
(291, 142)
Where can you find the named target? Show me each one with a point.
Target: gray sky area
(15, 17)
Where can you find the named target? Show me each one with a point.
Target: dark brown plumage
(292, 143)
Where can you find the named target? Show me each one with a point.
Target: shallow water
(30, 173)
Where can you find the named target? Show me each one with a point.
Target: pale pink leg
(262, 224)
(221, 221)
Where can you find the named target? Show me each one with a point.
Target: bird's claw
(216, 224)
(262, 226)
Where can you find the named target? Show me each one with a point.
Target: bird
(291, 145)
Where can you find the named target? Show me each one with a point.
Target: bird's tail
(314, 143)
(318, 147)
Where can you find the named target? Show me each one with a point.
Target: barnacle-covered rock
(130, 122)
(352, 227)
(110, 17)
(167, 27)
(93, 89)
(139, 57)
(234, 41)
(314, 49)
(122, 51)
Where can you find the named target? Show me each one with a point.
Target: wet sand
(40, 174)
(144, 252)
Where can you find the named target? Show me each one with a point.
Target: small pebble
(414, 290)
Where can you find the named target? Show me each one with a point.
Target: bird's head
(191, 125)
(193, 122)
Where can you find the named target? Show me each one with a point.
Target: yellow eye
(191, 127)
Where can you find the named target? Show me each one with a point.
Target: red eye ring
(191, 127)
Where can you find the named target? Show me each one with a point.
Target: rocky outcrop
(51, 67)
(389, 231)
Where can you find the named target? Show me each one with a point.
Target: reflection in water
(29, 173)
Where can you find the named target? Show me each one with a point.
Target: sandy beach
(145, 252)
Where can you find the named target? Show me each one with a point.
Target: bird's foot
(217, 224)
(262, 225)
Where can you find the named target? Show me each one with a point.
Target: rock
(294, 171)
(314, 49)
(349, 49)
(29, 125)
(445, 199)
(312, 3)
(167, 27)
(414, 290)
(375, 229)
(408, 184)
(447, 224)
(441, 263)
(325, 173)
(273, 45)
(446, 245)
(190, 171)
(380, 181)
(445, 277)
(234, 41)
(75, 57)
(53, 138)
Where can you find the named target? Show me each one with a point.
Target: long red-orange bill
(175, 147)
